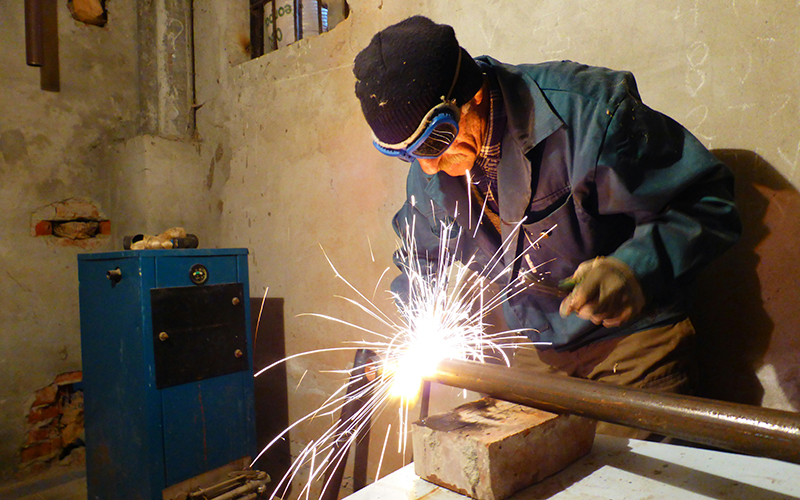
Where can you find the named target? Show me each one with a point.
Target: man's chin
(456, 165)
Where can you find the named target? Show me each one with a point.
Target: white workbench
(622, 469)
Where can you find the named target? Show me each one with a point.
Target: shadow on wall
(271, 396)
(746, 302)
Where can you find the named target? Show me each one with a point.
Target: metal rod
(319, 16)
(50, 73)
(34, 48)
(363, 371)
(741, 428)
(298, 19)
(257, 28)
(425, 400)
(274, 25)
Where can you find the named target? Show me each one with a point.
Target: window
(278, 23)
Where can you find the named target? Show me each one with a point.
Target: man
(582, 181)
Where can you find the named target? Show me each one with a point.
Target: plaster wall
(53, 146)
(85, 142)
(302, 175)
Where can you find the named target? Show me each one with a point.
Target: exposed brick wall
(55, 423)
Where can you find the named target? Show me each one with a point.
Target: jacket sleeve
(678, 194)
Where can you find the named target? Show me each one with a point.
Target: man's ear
(478, 97)
(482, 92)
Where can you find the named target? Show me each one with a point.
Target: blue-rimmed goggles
(436, 132)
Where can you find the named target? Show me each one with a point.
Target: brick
(43, 228)
(68, 378)
(490, 449)
(44, 450)
(43, 413)
(46, 396)
(71, 422)
(38, 434)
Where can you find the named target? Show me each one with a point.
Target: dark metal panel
(198, 332)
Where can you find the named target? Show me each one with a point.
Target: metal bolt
(235, 301)
(163, 336)
(238, 353)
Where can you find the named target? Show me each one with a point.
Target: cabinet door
(122, 410)
(206, 425)
(198, 332)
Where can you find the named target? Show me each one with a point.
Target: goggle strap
(455, 77)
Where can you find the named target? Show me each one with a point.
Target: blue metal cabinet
(167, 367)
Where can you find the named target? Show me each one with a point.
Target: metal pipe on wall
(34, 48)
(741, 428)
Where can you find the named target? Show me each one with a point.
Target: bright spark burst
(442, 318)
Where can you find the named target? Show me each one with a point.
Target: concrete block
(490, 449)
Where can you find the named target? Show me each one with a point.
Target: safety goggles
(436, 132)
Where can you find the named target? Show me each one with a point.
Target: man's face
(461, 154)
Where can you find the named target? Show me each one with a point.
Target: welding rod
(747, 429)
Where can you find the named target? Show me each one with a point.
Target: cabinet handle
(114, 275)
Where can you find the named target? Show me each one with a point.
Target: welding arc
(735, 427)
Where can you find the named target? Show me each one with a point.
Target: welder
(568, 175)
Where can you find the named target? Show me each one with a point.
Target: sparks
(441, 318)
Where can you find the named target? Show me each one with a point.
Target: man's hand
(606, 293)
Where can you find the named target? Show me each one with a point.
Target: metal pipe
(363, 371)
(319, 16)
(741, 428)
(34, 47)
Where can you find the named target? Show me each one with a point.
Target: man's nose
(429, 165)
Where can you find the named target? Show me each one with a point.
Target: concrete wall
(82, 142)
(303, 174)
(53, 146)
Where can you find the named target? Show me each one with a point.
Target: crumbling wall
(55, 425)
(54, 157)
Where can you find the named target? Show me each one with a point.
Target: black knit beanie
(406, 70)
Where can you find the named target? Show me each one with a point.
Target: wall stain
(210, 176)
(13, 146)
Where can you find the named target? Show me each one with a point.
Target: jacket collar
(531, 120)
(530, 117)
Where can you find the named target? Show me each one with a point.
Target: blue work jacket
(587, 170)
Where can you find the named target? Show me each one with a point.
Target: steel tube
(741, 428)
(34, 48)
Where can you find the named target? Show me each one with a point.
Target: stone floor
(66, 486)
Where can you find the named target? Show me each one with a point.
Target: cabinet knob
(114, 275)
(163, 336)
(238, 353)
(235, 301)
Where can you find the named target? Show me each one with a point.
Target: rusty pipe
(740, 428)
(34, 45)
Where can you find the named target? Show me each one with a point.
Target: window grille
(278, 23)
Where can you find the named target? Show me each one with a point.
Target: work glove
(606, 292)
